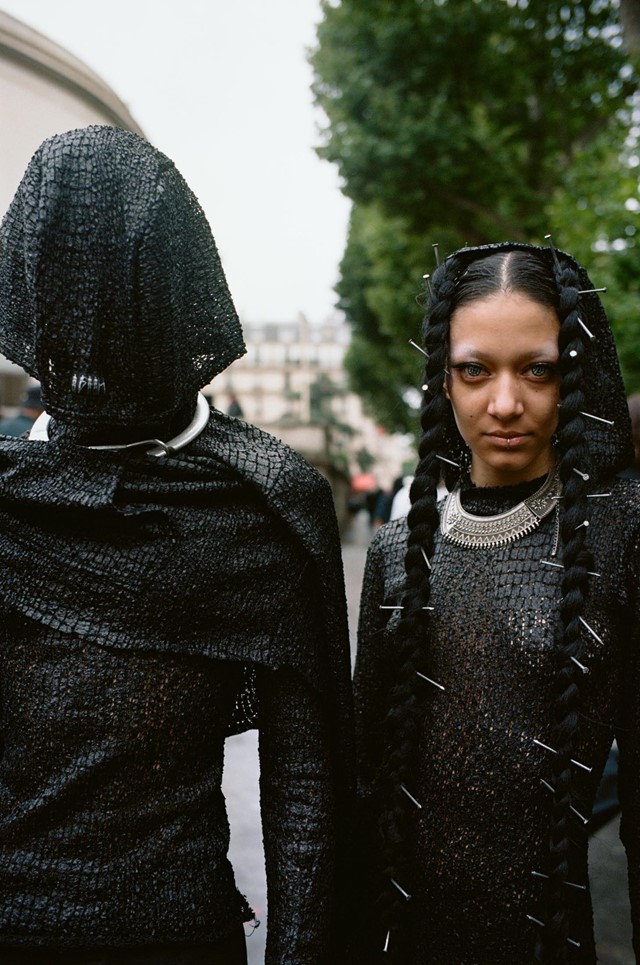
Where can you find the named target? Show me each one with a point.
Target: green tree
(461, 121)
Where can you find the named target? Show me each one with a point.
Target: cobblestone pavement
(606, 855)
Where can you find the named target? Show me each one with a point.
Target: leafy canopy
(466, 121)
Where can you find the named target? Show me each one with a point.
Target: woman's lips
(508, 441)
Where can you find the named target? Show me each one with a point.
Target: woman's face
(504, 386)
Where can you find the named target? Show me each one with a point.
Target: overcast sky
(223, 88)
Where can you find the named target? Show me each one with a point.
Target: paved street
(607, 860)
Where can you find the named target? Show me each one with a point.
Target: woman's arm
(298, 821)
(373, 668)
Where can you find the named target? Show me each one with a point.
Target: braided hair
(548, 278)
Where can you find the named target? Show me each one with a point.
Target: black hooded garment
(152, 606)
(482, 838)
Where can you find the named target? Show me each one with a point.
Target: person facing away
(30, 409)
(161, 566)
(499, 651)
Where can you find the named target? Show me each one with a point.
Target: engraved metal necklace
(462, 528)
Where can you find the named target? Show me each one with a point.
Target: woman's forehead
(504, 324)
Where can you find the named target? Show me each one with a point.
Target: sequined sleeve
(298, 821)
(628, 735)
(374, 658)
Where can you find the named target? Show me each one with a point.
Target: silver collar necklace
(460, 527)
(40, 433)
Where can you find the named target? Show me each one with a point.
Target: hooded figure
(499, 640)
(169, 576)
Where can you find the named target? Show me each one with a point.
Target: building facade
(292, 383)
(44, 90)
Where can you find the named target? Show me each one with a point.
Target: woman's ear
(445, 388)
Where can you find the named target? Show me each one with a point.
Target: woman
(169, 576)
(498, 642)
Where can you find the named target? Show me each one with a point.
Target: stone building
(292, 382)
(44, 90)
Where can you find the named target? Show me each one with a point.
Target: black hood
(112, 293)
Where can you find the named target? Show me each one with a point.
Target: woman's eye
(541, 370)
(470, 369)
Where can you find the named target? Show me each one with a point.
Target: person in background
(499, 639)
(633, 402)
(169, 576)
(30, 409)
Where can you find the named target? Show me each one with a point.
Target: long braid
(554, 946)
(407, 697)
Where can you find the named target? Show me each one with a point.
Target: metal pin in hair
(591, 291)
(436, 251)
(553, 251)
(586, 330)
(598, 495)
(430, 681)
(590, 629)
(536, 921)
(386, 941)
(573, 354)
(410, 796)
(583, 475)
(450, 461)
(426, 558)
(597, 418)
(584, 523)
(584, 767)
(427, 283)
(405, 894)
(571, 807)
(581, 817)
(558, 566)
(415, 345)
(569, 884)
(581, 666)
(425, 387)
(384, 606)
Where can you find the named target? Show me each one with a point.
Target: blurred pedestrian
(30, 409)
(169, 576)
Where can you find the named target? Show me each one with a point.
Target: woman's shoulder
(619, 494)
(388, 546)
(614, 515)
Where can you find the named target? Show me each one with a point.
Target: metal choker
(460, 527)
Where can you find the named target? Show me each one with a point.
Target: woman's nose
(505, 401)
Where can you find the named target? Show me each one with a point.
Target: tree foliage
(465, 121)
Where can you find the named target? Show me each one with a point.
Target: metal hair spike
(436, 251)
(415, 345)
(554, 253)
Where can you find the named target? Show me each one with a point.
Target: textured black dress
(152, 606)
(483, 828)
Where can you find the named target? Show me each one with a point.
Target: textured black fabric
(224, 553)
(152, 606)
(109, 271)
(483, 827)
(610, 447)
(230, 951)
